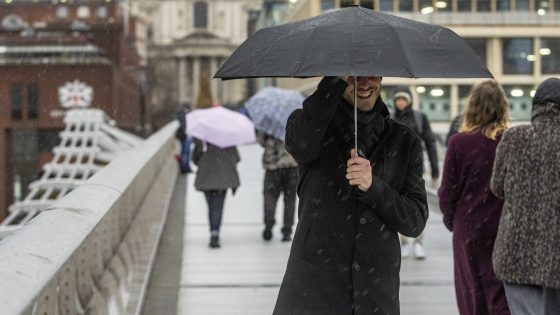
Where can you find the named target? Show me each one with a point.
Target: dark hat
(548, 92)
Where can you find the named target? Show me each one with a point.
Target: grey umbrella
(356, 42)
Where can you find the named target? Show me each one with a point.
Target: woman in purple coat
(469, 208)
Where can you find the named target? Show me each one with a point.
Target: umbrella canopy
(270, 108)
(354, 41)
(220, 127)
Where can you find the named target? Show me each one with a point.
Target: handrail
(87, 251)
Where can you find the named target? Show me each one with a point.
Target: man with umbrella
(345, 257)
(360, 172)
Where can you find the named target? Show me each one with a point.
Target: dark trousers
(215, 200)
(185, 154)
(529, 299)
(284, 181)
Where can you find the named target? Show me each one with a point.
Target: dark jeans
(284, 181)
(532, 300)
(215, 200)
(185, 154)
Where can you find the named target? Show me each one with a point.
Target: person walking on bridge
(281, 176)
(419, 123)
(527, 176)
(469, 208)
(345, 257)
(216, 173)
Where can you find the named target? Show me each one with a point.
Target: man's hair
(486, 110)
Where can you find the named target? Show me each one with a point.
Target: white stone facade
(190, 44)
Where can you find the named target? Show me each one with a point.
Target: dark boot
(287, 237)
(214, 241)
(287, 234)
(267, 233)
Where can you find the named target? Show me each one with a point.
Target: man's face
(401, 103)
(368, 92)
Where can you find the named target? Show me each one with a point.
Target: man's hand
(359, 172)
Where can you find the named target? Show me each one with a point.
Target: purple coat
(472, 212)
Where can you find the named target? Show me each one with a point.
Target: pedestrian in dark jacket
(345, 256)
(216, 173)
(527, 175)
(469, 208)
(184, 139)
(454, 127)
(418, 122)
(281, 176)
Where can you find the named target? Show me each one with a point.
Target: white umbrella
(220, 126)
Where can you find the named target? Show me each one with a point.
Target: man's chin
(366, 106)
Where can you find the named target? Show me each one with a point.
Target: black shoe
(267, 233)
(214, 241)
(287, 237)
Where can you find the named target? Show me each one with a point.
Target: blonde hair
(486, 110)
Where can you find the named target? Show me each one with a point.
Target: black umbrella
(354, 41)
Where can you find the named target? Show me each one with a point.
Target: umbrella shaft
(356, 114)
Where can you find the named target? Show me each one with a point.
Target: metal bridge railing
(92, 251)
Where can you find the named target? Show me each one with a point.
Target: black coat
(406, 117)
(217, 168)
(345, 257)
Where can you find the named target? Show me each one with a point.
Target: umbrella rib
(304, 53)
(270, 47)
(408, 65)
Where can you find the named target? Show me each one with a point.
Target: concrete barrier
(92, 251)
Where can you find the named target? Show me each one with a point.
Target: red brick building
(42, 47)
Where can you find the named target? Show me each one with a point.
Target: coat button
(363, 220)
(356, 267)
(368, 214)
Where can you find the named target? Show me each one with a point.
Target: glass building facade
(518, 40)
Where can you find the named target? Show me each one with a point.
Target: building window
(386, 5)
(200, 14)
(102, 12)
(522, 5)
(405, 5)
(426, 6)
(550, 55)
(503, 5)
(542, 7)
(464, 5)
(483, 5)
(346, 3)
(32, 100)
(48, 139)
(62, 12)
(520, 101)
(83, 12)
(368, 4)
(479, 47)
(443, 5)
(517, 54)
(16, 100)
(327, 5)
(434, 102)
(387, 95)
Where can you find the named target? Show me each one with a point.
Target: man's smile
(365, 93)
